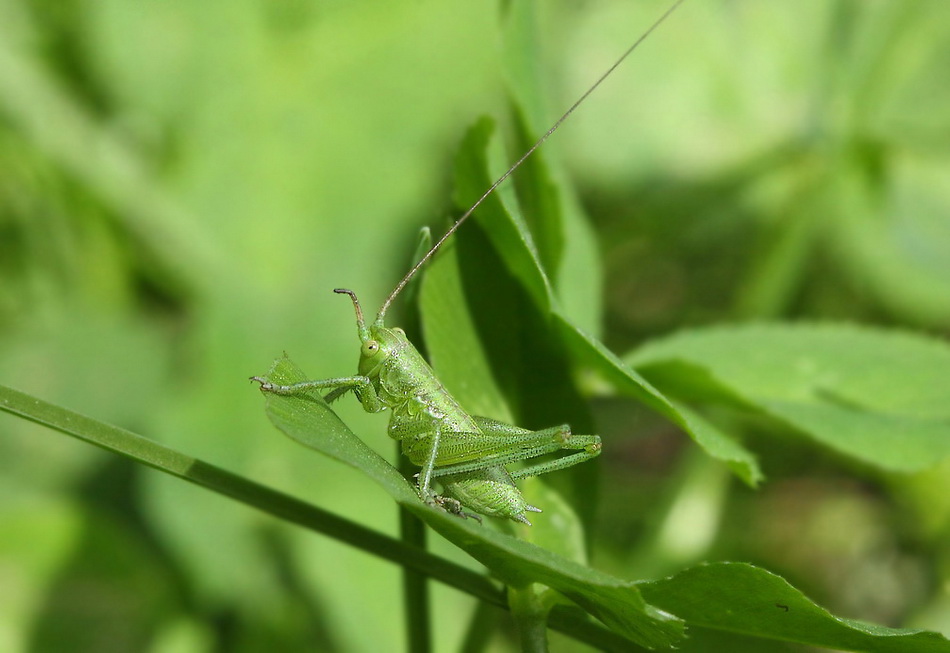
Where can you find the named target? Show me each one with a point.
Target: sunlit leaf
(879, 396)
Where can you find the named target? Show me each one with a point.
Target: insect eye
(371, 346)
(399, 331)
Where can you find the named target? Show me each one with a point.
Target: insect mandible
(466, 454)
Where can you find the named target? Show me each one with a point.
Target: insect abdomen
(489, 492)
(422, 409)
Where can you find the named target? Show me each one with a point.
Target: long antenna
(491, 189)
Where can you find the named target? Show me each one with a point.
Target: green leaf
(564, 533)
(509, 236)
(879, 396)
(567, 243)
(507, 231)
(725, 596)
(489, 337)
(536, 188)
(453, 343)
(732, 597)
(713, 441)
(220, 481)
(616, 602)
(741, 598)
(309, 420)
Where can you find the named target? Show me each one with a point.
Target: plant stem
(530, 617)
(415, 584)
(288, 508)
(216, 479)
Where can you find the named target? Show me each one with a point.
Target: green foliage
(515, 562)
(767, 239)
(740, 598)
(873, 394)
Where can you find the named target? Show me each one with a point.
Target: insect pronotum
(466, 454)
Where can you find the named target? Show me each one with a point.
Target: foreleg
(359, 385)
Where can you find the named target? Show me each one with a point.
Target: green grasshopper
(465, 453)
(468, 455)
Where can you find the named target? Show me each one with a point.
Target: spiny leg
(425, 475)
(359, 385)
(502, 444)
(448, 504)
(422, 448)
(588, 445)
(473, 447)
(338, 385)
(592, 450)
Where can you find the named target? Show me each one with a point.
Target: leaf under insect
(616, 602)
(730, 597)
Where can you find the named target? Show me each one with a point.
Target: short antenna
(360, 324)
(491, 189)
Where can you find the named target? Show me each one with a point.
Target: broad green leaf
(567, 245)
(550, 209)
(741, 598)
(310, 421)
(452, 341)
(566, 241)
(879, 396)
(489, 338)
(506, 229)
(616, 602)
(713, 441)
(520, 256)
(562, 531)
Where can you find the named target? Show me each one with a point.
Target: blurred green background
(182, 184)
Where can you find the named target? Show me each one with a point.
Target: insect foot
(454, 507)
(266, 386)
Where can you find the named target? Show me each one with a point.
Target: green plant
(774, 389)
